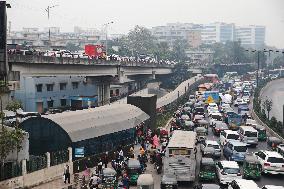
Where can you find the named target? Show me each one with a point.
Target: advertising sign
(79, 152)
(211, 96)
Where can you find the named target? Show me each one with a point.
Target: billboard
(79, 152)
(94, 50)
(211, 96)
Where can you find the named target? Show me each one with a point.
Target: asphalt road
(275, 92)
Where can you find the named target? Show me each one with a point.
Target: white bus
(179, 157)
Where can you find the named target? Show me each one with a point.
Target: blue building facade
(39, 94)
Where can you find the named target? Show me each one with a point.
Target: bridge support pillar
(153, 74)
(103, 93)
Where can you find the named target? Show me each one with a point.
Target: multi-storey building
(251, 36)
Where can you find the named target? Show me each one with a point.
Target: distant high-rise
(251, 36)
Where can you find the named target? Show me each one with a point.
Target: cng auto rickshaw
(169, 182)
(273, 142)
(133, 170)
(201, 133)
(252, 168)
(145, 181)
(207, 170)
(109, 179)
(261, 132)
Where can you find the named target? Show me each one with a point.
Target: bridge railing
(37, 59)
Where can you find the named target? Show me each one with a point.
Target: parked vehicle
(227, 171)
(207, 169)
(228, 135)
(271, 162)
(243, 184)
(145, 181)
(169, 182)
(248, 135)
(273, 142)
(252, 168)
(235, 151)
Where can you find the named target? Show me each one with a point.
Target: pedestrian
(195, 152)
(125, 181)
(121, 156)
(66, 174)
(105, 159)
(100, 167)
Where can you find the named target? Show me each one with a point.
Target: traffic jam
(230, 149)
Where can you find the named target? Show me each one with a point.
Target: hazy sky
(128, 13)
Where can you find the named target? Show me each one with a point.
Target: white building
(217, 33)
(251, 36)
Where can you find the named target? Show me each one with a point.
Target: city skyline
(124, 14)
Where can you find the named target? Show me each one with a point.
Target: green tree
(14, 105)
(178, 51)
(267, 105)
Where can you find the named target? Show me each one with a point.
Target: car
(212, 105)
(243, 184)
(225, 106)
(235, 150)
(249, 135)
(280, 149)
(199, 111)
(271, 162)
(227, 171)
(228, 135)
(215, 117)
(239, 101)
(218, 127)
(207, 186)
(211, 143)
(272, 187)
(251, 122)
(212, 111)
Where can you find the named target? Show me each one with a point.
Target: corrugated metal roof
(172, 96)
(94, 122)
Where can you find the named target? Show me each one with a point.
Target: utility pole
(257, 73)
(3, 42)
(48, 16)
(106, 34)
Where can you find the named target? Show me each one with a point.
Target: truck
(180, 157)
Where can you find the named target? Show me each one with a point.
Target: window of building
(62, 86)
(50, 103)
(39, 88)
(63, 102)
(75, 85)
(49, 87)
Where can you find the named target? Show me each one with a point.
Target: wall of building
(29, 96)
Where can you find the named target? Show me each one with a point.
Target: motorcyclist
(94, 181)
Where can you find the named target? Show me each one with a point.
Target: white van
(248, 135)
(228, 135)
(243, 184)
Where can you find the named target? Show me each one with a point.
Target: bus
(180, 158)
(22, 116)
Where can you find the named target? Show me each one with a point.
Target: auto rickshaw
(207, 170)
(109, 179)
(261, 132)
(201, 133)
(133, 170)
(145, 181)
(169, 182)
(252, 168)
(273, 142)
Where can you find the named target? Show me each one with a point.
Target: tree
(14, 105)
(267, 105)
(178, 52)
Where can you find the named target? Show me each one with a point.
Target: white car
(212, 105)
(271, 162)
(272, 187)
(215, 117)
(239, 101)
(211, 143)
(212, 111)
(228, 135)
(251, 122)
(243, 184)
(227, 171)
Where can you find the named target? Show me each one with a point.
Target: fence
(59, 157)
(10, 170)
(36, 163)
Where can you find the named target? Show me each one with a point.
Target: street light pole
(106, 34)
(48, 15)
(257, 76)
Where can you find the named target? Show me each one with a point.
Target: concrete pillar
(106, 93)
(153, 74)
(185, 89)
(100, 95)
(48, 159)
(121, 76)
(70, 154)
(24, 167)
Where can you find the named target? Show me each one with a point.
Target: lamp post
(48, 16)
(106, 25)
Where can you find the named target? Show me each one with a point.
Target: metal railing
(10, 170)
(36, 163)
(38, 59)
(59, 157)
